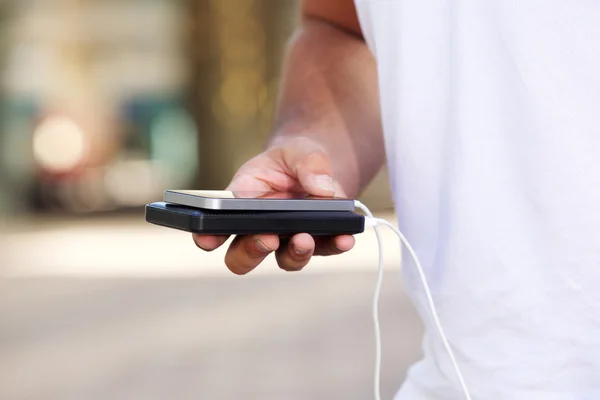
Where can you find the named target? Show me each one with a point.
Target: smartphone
(255, 201)
(282, 223)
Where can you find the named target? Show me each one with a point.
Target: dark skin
(327, 138)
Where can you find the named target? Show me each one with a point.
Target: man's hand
(329, 95)
(299, 166)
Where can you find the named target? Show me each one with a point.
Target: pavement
(115, 308)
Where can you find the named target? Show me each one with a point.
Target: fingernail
(339, 248)
(261, 246)
(325, 182)
(200, 246)
(301, 252)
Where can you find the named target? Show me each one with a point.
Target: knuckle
(244, 255)
(316, 158)
(236, 266)
(254, 249)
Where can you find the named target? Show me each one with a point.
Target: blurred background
(103, 105)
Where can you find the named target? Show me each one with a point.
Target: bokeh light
(134, 182)
(59, 144)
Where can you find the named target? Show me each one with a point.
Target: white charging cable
(373, 222)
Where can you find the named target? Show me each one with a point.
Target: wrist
(292, 133)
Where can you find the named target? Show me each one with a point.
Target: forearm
(329, 93)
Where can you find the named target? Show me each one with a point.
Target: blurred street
(119, 309)
(103, 106)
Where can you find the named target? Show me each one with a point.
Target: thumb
(313, 170)
(317, 184)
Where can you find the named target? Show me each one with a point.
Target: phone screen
(224, 194)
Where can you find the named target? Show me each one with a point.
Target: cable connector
(371, 222)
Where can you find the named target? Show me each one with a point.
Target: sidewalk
(119, 309)
(132, 247)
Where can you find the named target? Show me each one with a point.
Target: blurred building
(94, 107)
(105, 103)
(237, 58)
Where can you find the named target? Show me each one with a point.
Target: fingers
(293, 255)
(296, 253)
(209, 243)
(314, 174)
(301, 164)
(311, 165)
(331, 246)
(246, 252)
(246, 181)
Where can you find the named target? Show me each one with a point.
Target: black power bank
(221, 222)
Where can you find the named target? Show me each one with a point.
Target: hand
(298, 166)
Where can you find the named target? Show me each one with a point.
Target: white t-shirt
(491, 112)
